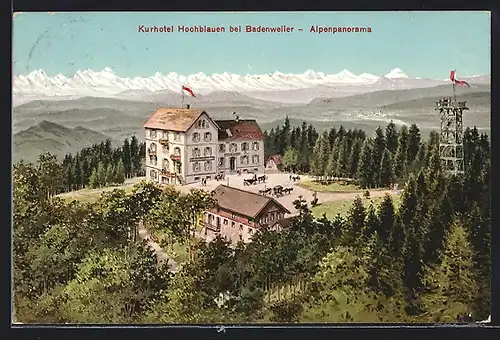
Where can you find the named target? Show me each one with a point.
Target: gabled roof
(173, 119)
(275, 158)
(285, 222)
(243, 202)
(242, 129)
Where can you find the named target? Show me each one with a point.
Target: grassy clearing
(333, 208)
(333, 187)
(91, 195)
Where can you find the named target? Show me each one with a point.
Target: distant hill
(54, 138)
(474, 99)
(388, 97)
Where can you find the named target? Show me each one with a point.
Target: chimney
(188, 106)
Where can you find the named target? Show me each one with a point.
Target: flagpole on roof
(182, 96)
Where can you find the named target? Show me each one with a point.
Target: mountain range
(51, 137)
(274, 87)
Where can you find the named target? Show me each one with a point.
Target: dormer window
(256, 146)
(233, 147)
(196, 137)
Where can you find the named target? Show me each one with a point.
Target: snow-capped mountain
(37, 85)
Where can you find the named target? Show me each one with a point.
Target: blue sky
(422, 44)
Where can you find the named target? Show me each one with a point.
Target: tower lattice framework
(451, 147)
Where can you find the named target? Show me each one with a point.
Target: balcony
(164, 141)
(211, 226)
(175, 157)
(167, 174)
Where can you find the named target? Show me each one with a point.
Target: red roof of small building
(275, 158)
(246, 129)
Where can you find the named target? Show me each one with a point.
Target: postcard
(255, 168)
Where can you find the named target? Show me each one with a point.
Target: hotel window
(208, 151)
(152, 133)
(208, 137)
(153, 147)
(256, 146)
(241, 237)
(225, 222)
(153, 160)
(208, 166)
(153, 174)
(164, 148)
(244, 146)
(165, 135)
(177, 151)
(176, 136)
(196, 152)
(265, 219)
(196, 166)
(222, 147)
(165, 164)
(196, 137)
(271, 216)
(203, 123)
(255, 159)
(221, 161)
(244, 160)
(250, 231)
(233, 224)
(241, 227)
(233, 147)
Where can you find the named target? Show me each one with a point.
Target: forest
(426, 260)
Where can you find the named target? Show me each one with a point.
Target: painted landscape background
(61, 115)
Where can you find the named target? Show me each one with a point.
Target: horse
(265, 192)
(249, 181)
(287, 190)
(262, 178)
(277, 190)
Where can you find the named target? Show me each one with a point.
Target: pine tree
(101, 174)
(109, 174)
(391, 136)
(452, 284)
(355, 223)
(372, 222)
(379, 144)
(343, 159)
(134, 156)
(354, 158)
(127, 161)
(320, 156)
(386, 216)
(78, 180)
(94, 179)
(401, 160)
(386, 169)
(413, 142)
(120, 173)
(365, 170)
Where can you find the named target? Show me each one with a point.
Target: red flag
(188, 90)
(452, 75)
(462, 82)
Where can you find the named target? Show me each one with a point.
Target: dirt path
(160, 253)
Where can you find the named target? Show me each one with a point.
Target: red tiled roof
(246, 129)
(276, 159)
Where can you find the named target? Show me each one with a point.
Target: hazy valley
(83, 120)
